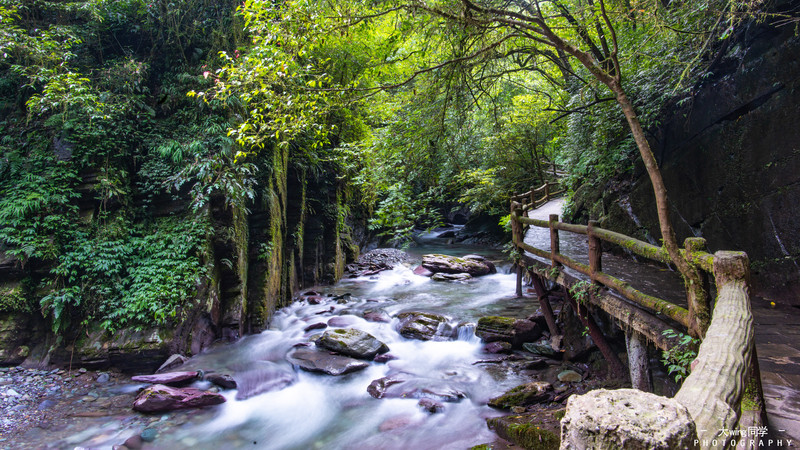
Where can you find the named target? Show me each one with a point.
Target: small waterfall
(625, 204)
(780, 243)
(466, 332)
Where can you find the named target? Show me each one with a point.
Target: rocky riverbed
(49, 409)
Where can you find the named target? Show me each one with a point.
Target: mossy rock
(507, 329)
(531, 431)
(526, 394)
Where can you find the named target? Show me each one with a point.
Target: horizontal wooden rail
(674, 312)
(703, 260)
(626, 314)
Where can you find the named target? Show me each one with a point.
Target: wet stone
(352, 342)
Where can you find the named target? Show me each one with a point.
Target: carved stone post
(638, 362)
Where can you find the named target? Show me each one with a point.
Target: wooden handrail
(703, 260)
(714, 389)
(725, 363)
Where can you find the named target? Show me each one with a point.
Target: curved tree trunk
(693, 281)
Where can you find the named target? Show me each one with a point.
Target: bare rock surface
(158, 398)
(626, 418)
(316, 361)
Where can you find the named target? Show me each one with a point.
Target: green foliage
(678, 359)
(126, 275)
(37, 210)
(13, 298)
(582, 291)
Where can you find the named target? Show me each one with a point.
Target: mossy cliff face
(730, 157)
(297, 231)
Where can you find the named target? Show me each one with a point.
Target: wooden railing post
(595, 251)
(547, 192)
(615, 367)
(533, 197)
(554, 245)
(517, 237)
(544, 302)
(697, 296)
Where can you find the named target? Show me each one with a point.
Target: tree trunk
(690, 273)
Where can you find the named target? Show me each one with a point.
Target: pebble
(149, 434)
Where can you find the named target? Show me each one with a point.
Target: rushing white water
(322, 411)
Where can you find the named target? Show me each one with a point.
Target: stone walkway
(778, 347)
(777, 336)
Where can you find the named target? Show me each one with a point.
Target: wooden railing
(725, 364)
(537, 197)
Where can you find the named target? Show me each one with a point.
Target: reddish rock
(386, 357)
(421, 271)
(497, 347)
(430, 405)
(315, 300)
(167, 378)
(159, 398)
(316, 326)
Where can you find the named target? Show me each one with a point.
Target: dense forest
(187, 165)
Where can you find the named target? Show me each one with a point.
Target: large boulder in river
(159, 398)
(352, 342)
(315, 361)
(506, 329)
(424, 326)
(472, 264)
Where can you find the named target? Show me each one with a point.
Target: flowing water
(322, 411)
(316, 411)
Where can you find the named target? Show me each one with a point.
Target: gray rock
(402, 386)
(542, 348)
(352, 342)
(514, 331)
(424, 326)
(149, 434)
(451, 277)
(526, 394)
(626, 418)
(438, 263)
(224, 381)
(103, 378)
(317, 361)
(569, 376)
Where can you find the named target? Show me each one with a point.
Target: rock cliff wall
(730, 157)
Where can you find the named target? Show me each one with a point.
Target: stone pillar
(638, 362)
(626, 418)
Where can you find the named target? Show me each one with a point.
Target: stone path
(777, 329)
